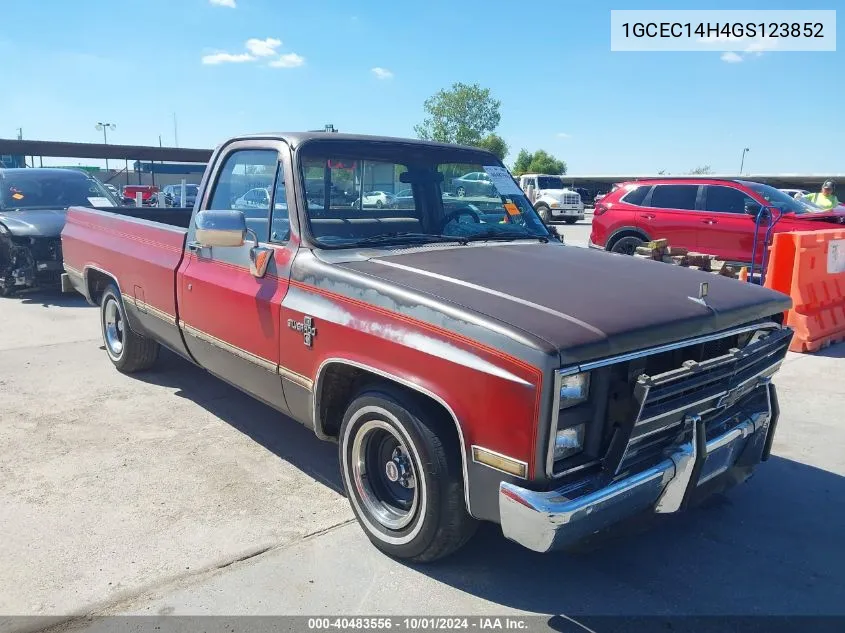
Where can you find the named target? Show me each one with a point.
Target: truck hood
(584, 304)
(555, 193)
(34, 222)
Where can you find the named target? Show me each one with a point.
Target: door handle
(647, 216)
(709, 221)
(194, 246)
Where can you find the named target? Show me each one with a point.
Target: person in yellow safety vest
(825, 199)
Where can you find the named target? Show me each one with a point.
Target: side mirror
(220, 228)
(752, 208)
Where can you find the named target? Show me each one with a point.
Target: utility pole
(105, 127)
(742, 163)
(20, 133)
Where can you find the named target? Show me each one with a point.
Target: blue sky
(67, 65)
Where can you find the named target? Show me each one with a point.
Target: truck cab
(551, 198)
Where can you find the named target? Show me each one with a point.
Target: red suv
(710, 216)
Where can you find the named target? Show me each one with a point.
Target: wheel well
(340, 383)
(625, 233)
(96, 282)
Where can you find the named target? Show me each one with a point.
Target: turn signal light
(600, 209)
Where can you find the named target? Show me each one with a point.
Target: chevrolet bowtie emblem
(306, 326)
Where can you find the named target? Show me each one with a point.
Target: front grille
(47, 249)
(717, 389)
(42, 249)
(571, 198)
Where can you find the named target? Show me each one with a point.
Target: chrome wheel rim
(384, 474)
(113, 327)
(461, 192)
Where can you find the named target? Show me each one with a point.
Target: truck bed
(141, 247)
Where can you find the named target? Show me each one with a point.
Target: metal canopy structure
(59, 149)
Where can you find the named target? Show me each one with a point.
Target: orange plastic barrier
(809, 266)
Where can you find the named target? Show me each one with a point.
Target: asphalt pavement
(172, 493)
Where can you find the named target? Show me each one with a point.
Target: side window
(280, 222)
(636, 196)
(674, 196)
(243, 175)
(725, 200)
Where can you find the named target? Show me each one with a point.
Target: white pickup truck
(551, 198)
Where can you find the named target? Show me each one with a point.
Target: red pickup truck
(468, 364)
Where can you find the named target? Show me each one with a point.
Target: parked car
(403, 199)
(376, 199)
(792, 193)
(552, 199)
(33, 204)
(475, 183)
(711, 216)
(465, 369)
(130, 192)
(175, 193)
(258, 198)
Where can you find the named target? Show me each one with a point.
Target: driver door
(230, 316)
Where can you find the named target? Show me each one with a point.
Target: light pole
(742, 164)
(105, 127)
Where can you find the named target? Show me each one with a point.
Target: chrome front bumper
(544, 521)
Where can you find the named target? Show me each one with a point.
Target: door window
(674, 196)
(636, 196)
(725, 199)
(242, 184)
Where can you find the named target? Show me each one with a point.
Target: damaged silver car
(33, 205)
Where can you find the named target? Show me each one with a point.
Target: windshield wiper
(504, 237)
(401, 236)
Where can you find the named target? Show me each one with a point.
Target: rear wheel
(128, 351)
(627, 245)
(402, 475)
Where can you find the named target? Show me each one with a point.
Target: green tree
(495, 144)
(463, 114)
(539, 162)
(701, 170)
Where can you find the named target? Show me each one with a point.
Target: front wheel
(544, 212)
(402, 474)
(129, 352)
(460, 192)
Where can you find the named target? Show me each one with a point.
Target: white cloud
(731, 58)
(563, 135)
(263, 48)
(288, 60)
(382, 73)
(227, 58)
(224, 3)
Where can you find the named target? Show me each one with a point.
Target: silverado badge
(306, 327)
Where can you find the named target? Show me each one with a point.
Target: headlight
(554, 205)
(574, 389)
(568, 442)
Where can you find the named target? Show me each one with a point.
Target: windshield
(436, 202)
(781, 200)
(31, 188)
(550, 182)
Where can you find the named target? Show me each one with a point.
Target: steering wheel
(454, 215)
